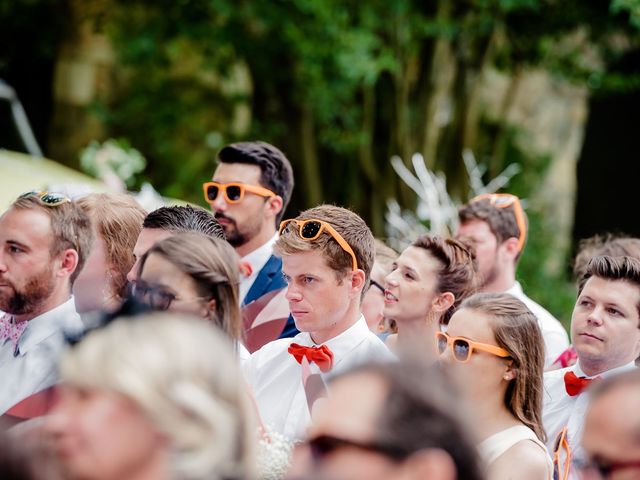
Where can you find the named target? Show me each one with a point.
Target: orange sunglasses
(233, 192)
(462, 348)
(505, 200)
(311, 229)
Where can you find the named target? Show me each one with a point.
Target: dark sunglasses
(324, 445)
(233, 192)
(311, 229)
(601, 469)
(377, 285)
(47, 198)
(156, 297)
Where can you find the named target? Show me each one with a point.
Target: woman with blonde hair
(116, 220)
(195, 274)
(154, 397)
(494, 351)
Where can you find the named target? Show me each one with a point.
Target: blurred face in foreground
(610, 439)
(345, 444)
(103, 435)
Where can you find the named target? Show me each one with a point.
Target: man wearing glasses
(327, 255)
(248, 194)
(496, 226)
(44, 242)
(605, 328)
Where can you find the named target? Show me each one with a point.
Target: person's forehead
(419, 259)
(354, 407)
(612, 422)
(26, 226)
(471, 324)
(237, 172)
(307, 262)
(149, 237)
(475, 228)
(620, 292)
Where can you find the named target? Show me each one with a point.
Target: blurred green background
(340, 87)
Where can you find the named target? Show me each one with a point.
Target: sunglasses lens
(234, 193)
(461, 350)
(311, 230)
(503, 201)
(442, 344)
(160, 299)
(212, 192)
(52, 198)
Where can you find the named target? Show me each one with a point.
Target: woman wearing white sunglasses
(494, 352)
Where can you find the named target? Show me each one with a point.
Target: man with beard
(249, 193)
(45, 239)
(496, 226)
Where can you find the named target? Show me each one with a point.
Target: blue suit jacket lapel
(269, 278)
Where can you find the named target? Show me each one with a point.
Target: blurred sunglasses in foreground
(311, 229)
(324, 445)
(462, 348)
(233, 192)
(47, 198)
(506, 200)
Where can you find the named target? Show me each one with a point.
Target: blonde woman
(494, 351)
(156, 397)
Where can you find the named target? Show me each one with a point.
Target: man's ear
(273, 206)
(510, 248)
(66, 262)
(432, 463)
(358, 279)
(443, 302)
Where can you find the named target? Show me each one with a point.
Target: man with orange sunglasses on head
(327, 255)
(248, 195)
(496, 226)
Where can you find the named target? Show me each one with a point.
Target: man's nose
(596, 315)
(219, 204)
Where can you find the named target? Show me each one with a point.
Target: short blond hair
(184, 375)
(348, 224)
(117, 218)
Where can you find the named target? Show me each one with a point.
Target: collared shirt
(257, 259)
(555, 336)
(560, 409)
(275, 376)
(32, 366)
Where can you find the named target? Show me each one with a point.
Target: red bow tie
(575, 385)
(321, 356)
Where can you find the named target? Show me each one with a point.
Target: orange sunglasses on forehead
(311, 229)
(505, 200)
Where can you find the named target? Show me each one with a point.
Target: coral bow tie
(321, 356)
(575, 385)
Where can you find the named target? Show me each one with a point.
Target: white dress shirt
(560, 409)
(32, 366)
(555, 336)
(257, 259)
(275, 376)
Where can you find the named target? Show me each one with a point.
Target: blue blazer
(269, 279)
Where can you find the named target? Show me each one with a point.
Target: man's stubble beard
(236, 237)
(37, 290)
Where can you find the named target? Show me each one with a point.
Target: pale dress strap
(492, 447)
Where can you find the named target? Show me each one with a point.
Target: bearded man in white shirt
(605, 328)
(496, 225)
(44, 242)
(327, 254)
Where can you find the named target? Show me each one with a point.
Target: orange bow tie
(321, 356)
(575, 385)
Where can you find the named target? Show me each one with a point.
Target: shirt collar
(62, 318)
(260, 256)
(343, 343)
(623, 368)
(515, 290)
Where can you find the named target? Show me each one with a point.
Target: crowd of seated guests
(232, 344)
